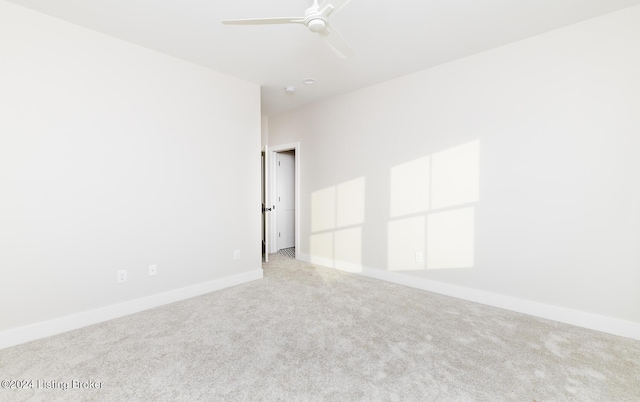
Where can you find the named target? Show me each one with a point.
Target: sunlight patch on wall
(321, 248)
(350, 203)
(432, 210)
(455, 178)
(323, 209)
(337, 215)
(348, 249)
(410, 187)
(405, 238)
(450, 239)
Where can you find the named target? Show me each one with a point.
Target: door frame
(265, 201)
(273, 232)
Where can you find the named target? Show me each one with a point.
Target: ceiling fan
(316, 18)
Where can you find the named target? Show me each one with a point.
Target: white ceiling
(390, 38)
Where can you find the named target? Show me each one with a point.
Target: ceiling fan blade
(264, 21)
(337, 4)
(336, 42)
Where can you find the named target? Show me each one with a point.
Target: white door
(285, 199)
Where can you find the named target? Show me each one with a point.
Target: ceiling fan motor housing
(317, 25)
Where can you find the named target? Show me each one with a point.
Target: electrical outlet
(153, 269)
(419, 257)
(122, 275)
(236, 254)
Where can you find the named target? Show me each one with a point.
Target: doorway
(282, 201)
(265, 203)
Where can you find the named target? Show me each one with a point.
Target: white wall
(264, 131)
(515, 172)
(115, 157)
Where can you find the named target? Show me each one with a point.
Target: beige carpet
(306, 333)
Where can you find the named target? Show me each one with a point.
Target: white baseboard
(578, 318)
(56, 326)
